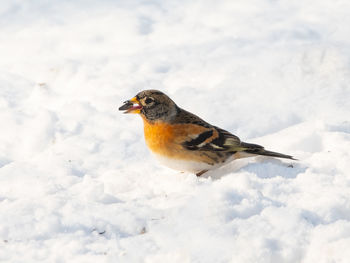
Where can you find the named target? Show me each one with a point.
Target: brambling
(185, 142)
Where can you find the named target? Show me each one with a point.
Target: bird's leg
(201, 172)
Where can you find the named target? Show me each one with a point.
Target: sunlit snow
(77, 183)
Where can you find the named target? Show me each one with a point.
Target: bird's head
(152, 105)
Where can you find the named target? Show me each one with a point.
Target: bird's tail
(259, 150)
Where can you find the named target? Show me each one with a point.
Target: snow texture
(77, 183)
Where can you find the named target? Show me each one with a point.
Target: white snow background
(77, 183)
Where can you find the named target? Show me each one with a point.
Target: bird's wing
(213, 139)
(202, 136)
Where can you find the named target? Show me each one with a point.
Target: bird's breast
(162, 137)
(159, 137)
(166, 142)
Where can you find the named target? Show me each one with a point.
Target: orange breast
(158, 136)
(165, 139)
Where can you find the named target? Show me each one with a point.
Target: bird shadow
(262, 167)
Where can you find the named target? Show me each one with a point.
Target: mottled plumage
(182, 140)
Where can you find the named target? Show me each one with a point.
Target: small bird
(185, 142)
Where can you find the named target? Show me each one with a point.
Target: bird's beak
(131, 106)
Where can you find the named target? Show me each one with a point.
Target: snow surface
(77, 183)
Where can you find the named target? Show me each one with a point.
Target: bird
(183, 141)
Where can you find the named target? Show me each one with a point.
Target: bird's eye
(149, 100)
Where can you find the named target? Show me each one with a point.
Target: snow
(77, 183)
